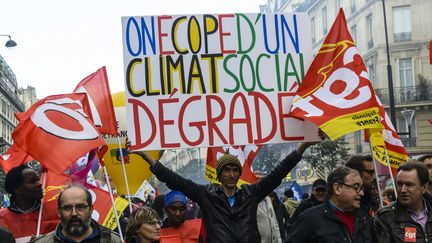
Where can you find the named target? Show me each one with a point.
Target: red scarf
(348, 218)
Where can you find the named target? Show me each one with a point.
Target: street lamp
(10, 43)
(408, 115)
(389, 73)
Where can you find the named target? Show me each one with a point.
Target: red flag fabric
(246, 154)
(102, 207)
(387, 140)
(336, 93)
(14, 157)
(57, 130)
(430, 121)
(98, 93)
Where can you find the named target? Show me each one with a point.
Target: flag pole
(390, 171)
(41, 206)
(376, 174)
(124, 174)
(113, 203)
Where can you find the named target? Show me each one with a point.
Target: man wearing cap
(175, 226)
(319, 194)
(229, 213)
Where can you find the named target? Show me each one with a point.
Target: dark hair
(75, 185)
(305, 195)
(289, 193)
(14, 178)
(425, 157)
(158, 205)
(422, 171)
(356, 161)
(338, 176)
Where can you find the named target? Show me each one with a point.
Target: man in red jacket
(21, 217)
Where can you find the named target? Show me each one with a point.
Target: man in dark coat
(229, 213)
(319, 194)
(338, 218)
(409, 219)
(364, 165)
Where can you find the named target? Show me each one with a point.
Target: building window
(372, 74)
(402, 23)
(313, 29)
(407, 137)
(406, 78)
(369, 27)
(324, 20)
(353, 6)
(4, 105)
(354, 33)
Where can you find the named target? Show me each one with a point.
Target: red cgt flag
(386, 140)
(98, 93)
(246, 154)
(336, 93)
(102, 207)
(14, 157)
(57, 130)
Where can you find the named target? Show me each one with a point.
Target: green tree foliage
(270, 155)
(326, 154)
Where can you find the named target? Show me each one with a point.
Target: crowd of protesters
(343, 208)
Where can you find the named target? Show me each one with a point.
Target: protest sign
(214, 80)
(136, 168)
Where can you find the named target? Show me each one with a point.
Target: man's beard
(76, 227)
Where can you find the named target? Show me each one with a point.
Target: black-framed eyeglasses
(154, 222)
(370, 172)
(80, 208)
(357, 188)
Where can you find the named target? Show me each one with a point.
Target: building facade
(409, 28)
(9, 104)
(28, 96)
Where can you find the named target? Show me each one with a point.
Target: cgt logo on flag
(336, 93)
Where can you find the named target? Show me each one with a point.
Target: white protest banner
(213, 80)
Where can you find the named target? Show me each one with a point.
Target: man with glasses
(338, 218)
(74, 207)
(409, 219)
(364, 165)
(318, 195)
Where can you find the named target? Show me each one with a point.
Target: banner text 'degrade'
(211, 80)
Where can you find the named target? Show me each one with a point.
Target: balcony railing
(403, 36)
(407, 95)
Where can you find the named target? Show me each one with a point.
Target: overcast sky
(61, 42)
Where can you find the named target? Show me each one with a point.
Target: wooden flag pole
(390, 171)
(124, 174)
(113, 203)
(44, 174)
(376, 175)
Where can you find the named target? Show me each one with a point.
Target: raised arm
(173, 180)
